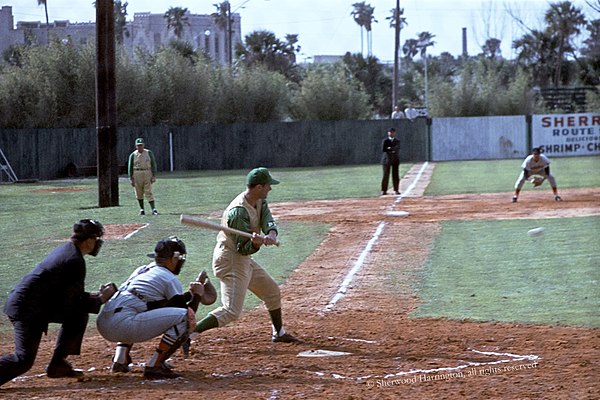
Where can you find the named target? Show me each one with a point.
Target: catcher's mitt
(210, 292)
(537, 180)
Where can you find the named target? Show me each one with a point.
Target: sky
(326, 27)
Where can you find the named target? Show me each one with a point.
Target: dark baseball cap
(260, 176)
(139, 141)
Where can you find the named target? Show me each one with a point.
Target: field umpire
(54, 292)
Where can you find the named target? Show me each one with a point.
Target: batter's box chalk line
(504, 359)
(511, 358)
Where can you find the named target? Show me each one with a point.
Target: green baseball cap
(260, 176)
(139, 141)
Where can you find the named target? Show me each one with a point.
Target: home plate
(322, 353)
(397, 213)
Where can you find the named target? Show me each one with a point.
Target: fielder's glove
(537, 180)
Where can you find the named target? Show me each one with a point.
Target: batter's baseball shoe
(159, 372)
(62, 369)
(514, 200)
(142, 212)
(557, 198)
(118, 367)
(154, 212)
(397, 193)
(286, 338)
(383, 193)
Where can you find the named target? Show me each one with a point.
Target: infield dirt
(370, 321)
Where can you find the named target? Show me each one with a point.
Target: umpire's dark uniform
(390, 160)
(52, 292)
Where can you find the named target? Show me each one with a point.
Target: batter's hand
(271, 239)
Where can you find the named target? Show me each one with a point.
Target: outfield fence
(56, 153)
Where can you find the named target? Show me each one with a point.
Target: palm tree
(177, 19)
(363, 16)
(396, 22)
(411, 48)
(423, 42)
(121, 21)
(221, 18)
(262, 48)
(564, 21)
(40, 2)
(358, 14)
(369, 19)
(536, 53)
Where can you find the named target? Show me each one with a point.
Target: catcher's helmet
(166, 248)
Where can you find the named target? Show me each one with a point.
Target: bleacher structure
(6, 169)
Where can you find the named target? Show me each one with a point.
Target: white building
(147, 31)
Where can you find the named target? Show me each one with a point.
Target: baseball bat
(203, 223)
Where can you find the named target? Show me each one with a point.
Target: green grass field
(492, 270)
(35, 218)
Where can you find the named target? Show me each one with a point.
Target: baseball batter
(535, 164)
(150, 303)
(141, 168)
(232, 257)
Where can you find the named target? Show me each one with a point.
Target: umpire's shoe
(62, 369)
(159, 372)
(286, 338)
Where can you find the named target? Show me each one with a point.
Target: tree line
(54, 85)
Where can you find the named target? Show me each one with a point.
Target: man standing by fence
(142, 174)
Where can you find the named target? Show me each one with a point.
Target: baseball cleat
(383, 193)
(118, 367)
(286, 338)
(557, 198)
(397, 193)
(514, 200)
(154, 212)
(142, 212)
(159, 372)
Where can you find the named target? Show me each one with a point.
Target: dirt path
(391, 356)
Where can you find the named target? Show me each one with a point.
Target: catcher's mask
(170, 247)
(88, 229)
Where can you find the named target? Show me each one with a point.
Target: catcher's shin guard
(165, 353)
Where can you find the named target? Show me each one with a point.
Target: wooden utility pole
(106, 106)
(396, 54)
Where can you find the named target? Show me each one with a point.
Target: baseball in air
(536, 231)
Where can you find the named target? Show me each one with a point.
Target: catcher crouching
(150, 303)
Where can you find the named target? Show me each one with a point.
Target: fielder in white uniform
(535, 164)
(150, 303)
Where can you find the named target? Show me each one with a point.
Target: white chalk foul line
(357, 266)
(513, 358)
(363, 255)
(134, 232)
(413, 184)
